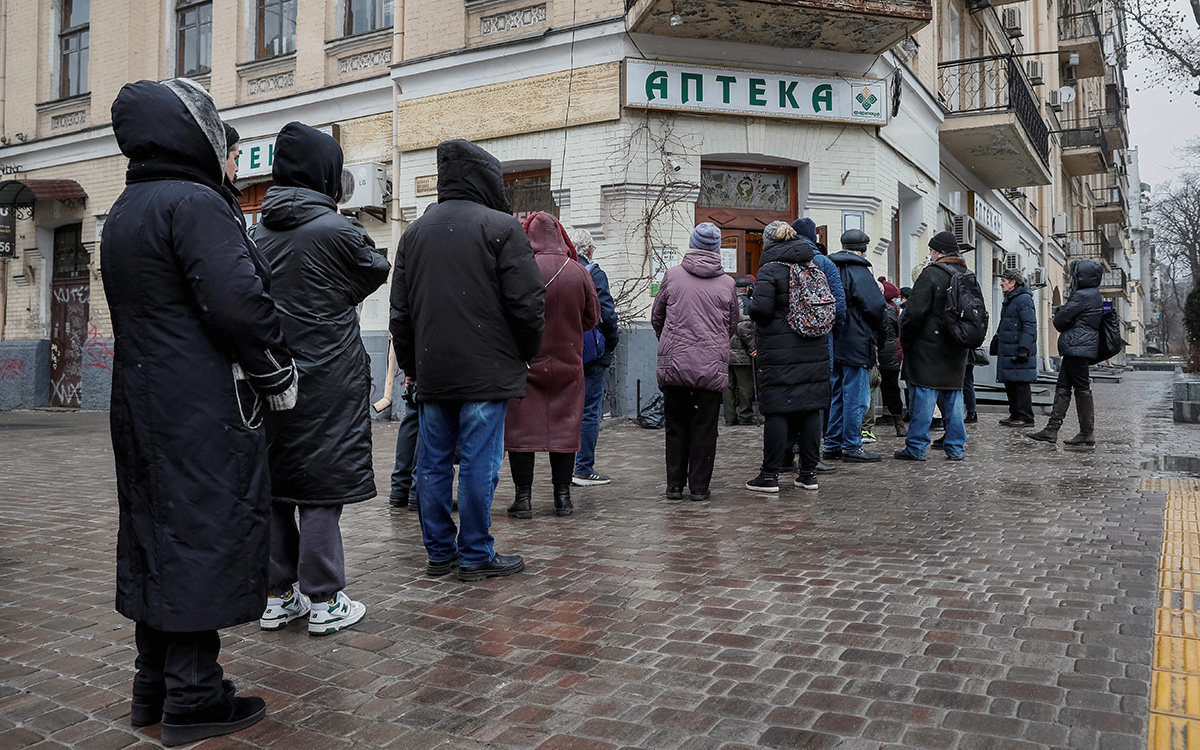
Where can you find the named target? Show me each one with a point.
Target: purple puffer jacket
(695, 312)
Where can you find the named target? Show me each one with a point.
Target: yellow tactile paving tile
(1173, 733)
(1181, 563)
(1178, 579)
(1148, 484)
(1177, 654)
(1175, 694)
(1178, 624)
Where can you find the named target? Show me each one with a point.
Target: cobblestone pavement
(1003, 602)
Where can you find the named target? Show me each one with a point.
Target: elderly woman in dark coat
(548, 418)
(322, 266)
(1078, 322)
(1015, 348)
(198, 350)
(793, 371)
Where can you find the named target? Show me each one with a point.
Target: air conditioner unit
(364, 185)
(1055, 100)
(1010, 19)
(964, 231)
(1039, 278)
(1036, 71)
(1058, 226)
(1012, 262)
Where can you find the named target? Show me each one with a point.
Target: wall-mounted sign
(8, 232)
(256, 157)
(425, 185)
(701, 88)
(987, 218)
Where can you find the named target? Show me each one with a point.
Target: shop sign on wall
(256, 157)
(8, 232)
(987, 218)
(655, 84)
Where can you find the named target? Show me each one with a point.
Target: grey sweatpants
(311, 554)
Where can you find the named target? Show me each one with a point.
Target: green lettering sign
(695, 78)
(758, 92)
(726, 82)
(254, 154)
(656, 82)
(823, 94)
(787, 94)
(271, 154)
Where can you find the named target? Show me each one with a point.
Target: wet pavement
(1007, 601)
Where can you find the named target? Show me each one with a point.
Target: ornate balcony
(1108, 205)
(1090, 244)
(1114, 127)
(1114, 281)
(993, 125)
(862, 26)
(1085, 149)
(1080, 33)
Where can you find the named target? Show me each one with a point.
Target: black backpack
(1111, 343)
(965, 318)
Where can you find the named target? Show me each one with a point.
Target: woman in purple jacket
(695, 312)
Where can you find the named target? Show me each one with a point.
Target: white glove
(287, 399)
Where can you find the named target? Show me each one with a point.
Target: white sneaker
(337, 613)
(283, 609)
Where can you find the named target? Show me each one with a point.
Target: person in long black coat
(323, 265)
(793, 371)
(199, 354)
(1016, 348)
(1078, 323)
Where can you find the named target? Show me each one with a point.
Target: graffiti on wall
(99, 352)
(12, 369)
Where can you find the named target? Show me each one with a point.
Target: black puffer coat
(793, 372)
(187, 301)
(931, 359)
(1078, 320)
(467, 295)
(887, 339)
(1017, 334)
(854, 343)
(322, 265)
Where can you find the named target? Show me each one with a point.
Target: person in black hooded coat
(793, 371)
(198, 350)
(323, 265)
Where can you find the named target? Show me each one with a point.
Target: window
(276, 27)
(73, 48)
(366, 15)
(193, 45)
(529, 192)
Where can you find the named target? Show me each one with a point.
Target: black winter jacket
(323, 265)
(467, 296)
(1016, 335)
(931, 359)
(187, 297)
(887, 340)
(854, 343)
(793, 372)
(608, 316)
(1078, 320)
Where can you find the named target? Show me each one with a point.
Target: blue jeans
(478, 426)
(920, 414)
(594, 379)
(850, 392)
(404, 473)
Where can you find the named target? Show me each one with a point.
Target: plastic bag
(653, 417)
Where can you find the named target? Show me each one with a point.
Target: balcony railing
(1084, 134)
(1089, 243)
(1114, 279)
(1079, 26)
(1109, 195)
(997, 84)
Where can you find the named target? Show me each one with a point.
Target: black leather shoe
(226, 716)
(904, 455)
(149, 711)
(398, 501)
(674, 493)
(701, 495)
(940, 443)
(824, 467)
(500, 565)
(522, 506)
(831, 456)
(562, 500)
(440, 567)
(971, 417)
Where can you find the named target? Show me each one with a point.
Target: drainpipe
(3, 65)
(1044, 318)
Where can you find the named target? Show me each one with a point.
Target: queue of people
(240, 419)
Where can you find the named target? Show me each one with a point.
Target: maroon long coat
(549, 417)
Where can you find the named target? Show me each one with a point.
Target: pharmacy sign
(654, 84)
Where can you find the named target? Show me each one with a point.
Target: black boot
(1049, 434)
(1086, 409)
(562, 500)
(522, 506)
(230, 714)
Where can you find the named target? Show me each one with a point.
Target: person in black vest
(933, 362)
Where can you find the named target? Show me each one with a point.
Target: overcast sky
(1161, 118)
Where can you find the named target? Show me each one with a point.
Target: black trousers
(562, 466)
(739, 395)
(179, 668)
(1020, 401)
(782, 431)
(691, 417)
(889, 392)
(1073, 373)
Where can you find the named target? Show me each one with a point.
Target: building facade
(634, 119)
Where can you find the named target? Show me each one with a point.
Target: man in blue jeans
(467, 313)
(595, 372)
(934, 365)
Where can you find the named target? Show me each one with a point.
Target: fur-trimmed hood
(174, 124)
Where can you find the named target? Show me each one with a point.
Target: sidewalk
(1007, 601)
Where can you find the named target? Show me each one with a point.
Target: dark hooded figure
(467, 318)
(323, 265)
(198, 351)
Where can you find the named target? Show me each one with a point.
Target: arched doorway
(741, 199)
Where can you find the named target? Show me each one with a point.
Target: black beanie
(231, 136)
(855, 240)
(945, 243)
(307, 158)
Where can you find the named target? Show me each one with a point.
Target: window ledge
(277, 64)
(359, 42)
(204, 79)
(61, 105)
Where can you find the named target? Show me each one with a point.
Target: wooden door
(893, 258)
(70, 294)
